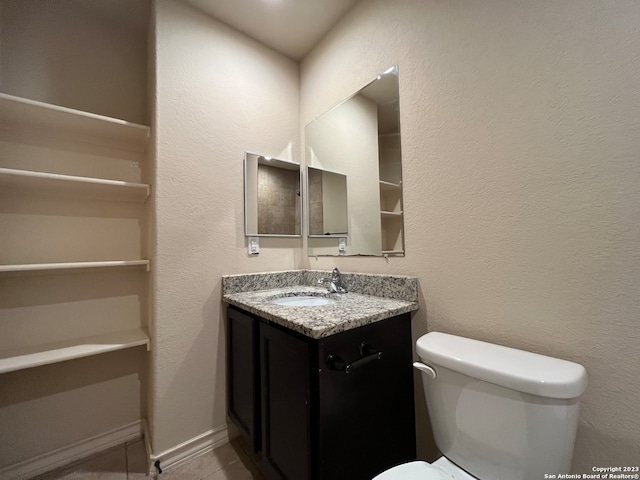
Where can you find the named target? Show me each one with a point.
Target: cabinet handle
(367, 352)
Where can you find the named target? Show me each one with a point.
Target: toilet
(497, 413)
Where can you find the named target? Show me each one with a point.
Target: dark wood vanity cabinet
(286, 404)
(316, 421)
(243, 368)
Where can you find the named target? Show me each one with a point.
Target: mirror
(326, 203)
(272, 201)
(361, 138)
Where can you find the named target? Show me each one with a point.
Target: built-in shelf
(25, 181)
(386, 214)
(89, 127)
(62, 267)
(35, 356)
(393, 252)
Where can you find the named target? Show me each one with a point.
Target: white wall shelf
(21, 112)
(70, 266)
(25, 181)
(28, 357)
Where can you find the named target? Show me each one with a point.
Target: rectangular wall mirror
(361, 138)
(272, 200)
(327, 203)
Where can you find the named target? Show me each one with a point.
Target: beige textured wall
(521, 173)
(65, 52)
(218, 95)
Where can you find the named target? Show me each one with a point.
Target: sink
(302, 301)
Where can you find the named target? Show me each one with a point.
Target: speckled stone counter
(371, 298)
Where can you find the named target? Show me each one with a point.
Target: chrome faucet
(334, 284)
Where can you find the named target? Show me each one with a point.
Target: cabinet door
(366, 416)
(243, 370)
(285, 404)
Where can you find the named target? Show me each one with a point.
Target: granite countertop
(350, 310)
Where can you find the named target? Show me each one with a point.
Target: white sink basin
(302, 301)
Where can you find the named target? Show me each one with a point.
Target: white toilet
(497, 413)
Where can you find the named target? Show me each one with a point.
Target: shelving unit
(41, 183)
(74, 124)
(46, 121)
(35, 356)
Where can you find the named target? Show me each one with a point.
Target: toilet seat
(441, 469)
(414, 471)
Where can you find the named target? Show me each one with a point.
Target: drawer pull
(367, 352)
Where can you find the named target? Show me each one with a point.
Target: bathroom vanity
(321, 392)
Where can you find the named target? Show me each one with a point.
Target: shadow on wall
(43, 403)
(588, 435)
(220, 389)
(425, 444)
(46, 381)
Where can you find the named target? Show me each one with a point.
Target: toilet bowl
(441, 469)
(495, 411)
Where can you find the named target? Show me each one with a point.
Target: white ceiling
(292, 27)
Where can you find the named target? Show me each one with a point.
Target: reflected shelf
(35, 356)
(387, 214)
(389, 186)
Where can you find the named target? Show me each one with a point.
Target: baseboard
(74, 452)
(193, 447)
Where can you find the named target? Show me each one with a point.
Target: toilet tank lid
(508, 367)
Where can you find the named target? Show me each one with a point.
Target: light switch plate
(253, 246)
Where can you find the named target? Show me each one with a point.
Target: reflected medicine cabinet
(327, 206)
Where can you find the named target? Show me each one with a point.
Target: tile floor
(227, 462)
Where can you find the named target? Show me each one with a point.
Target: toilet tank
(498, 412)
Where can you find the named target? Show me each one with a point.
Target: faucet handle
(336, 279)
(335, 274)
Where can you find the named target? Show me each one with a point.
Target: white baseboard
(71, 453)
(193, 447)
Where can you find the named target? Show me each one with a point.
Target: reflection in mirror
(361, 138)
(272, 201)
(327, 203)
